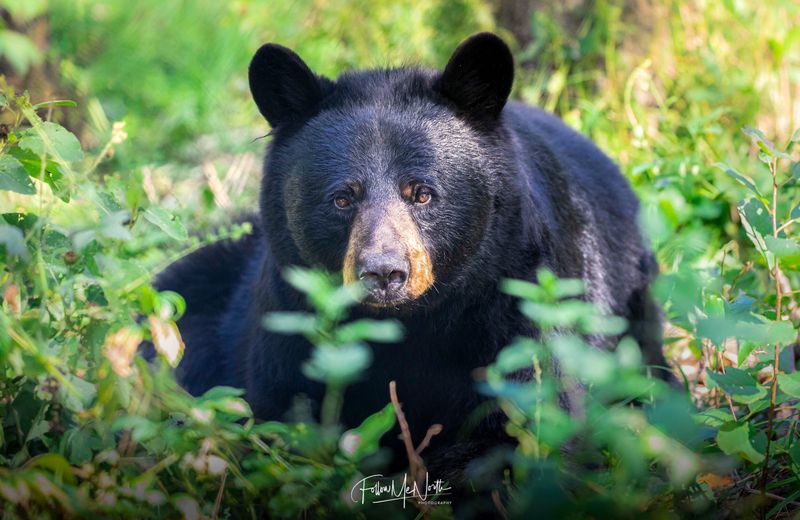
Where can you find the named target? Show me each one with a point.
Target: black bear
(430, 188)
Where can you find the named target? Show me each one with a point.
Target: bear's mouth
(381, 299)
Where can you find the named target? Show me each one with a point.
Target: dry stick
(771, 495)
(218, 500)
(727, 397)
(415, 462)
(436, 429)
(498, 503)
(776, 274)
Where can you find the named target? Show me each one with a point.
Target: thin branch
(776, 275)
(436, 429)
(220, 493)
(498, 503)
(415, 463)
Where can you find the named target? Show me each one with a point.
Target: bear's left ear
(283, 87)
(479, 75)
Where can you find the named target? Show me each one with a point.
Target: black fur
(516, 189)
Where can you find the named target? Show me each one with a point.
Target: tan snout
(386, 253)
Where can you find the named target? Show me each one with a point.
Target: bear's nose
(383, 273)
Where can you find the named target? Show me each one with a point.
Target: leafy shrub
(596, 436)
(88, 426)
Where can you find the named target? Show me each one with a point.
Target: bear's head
(395, 177)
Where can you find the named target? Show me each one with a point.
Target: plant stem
(776, 275)
(331, 405)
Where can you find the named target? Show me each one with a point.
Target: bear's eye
(341, 202)
(422, 195)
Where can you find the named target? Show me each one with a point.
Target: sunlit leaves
(13, 176)
(757, 224)
(51, 139)
(166, 222)
(744, 180)
(740, 439)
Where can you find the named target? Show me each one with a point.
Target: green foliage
(89, 427)
(630, 438)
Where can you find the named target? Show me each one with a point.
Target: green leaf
(364, 440)
(13, 176)
(380, 331)
(766, 332)
(518, 355)
(794, 176)
(79, 396)
(52, 139)
(739, 385)
(54, 462)
(790, 383)
(714, 417)
(52, 175)
(19, 50)
(115, 226)
(787, 249)
(55, 103)
(14, 241)
(337, 365)
(291, 323)
(737, 438)
(745, 349)
(142, 429)
(219, 392)
(794, 453)
(757, 223)
(767, 147)
(166, 222)
(232, 406)
(744, 180)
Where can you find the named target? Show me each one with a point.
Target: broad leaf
(790, 383)
(744, 180)
(737, 438)
(54, 140)
(166, 222)
(13, 176)
(739, 385)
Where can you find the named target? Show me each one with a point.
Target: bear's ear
(479, 75)
(283, 86)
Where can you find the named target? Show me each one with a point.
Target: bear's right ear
(478, 76)
(283, 86)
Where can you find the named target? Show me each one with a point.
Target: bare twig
(773, 496)
(415, 463)
(414, 460)
(218, 500)
(498, 503)
(776, 275)
(727, 397)
(436, 429)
